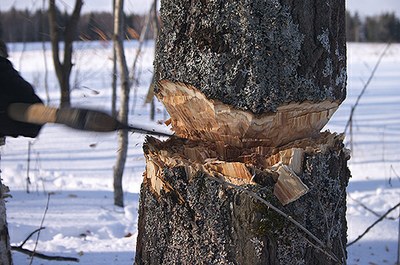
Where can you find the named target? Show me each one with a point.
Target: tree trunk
(63, 69)
(114, 85)
(251, 180)
(124, 110)
(5, 249)
(114, 77)
(156, 28)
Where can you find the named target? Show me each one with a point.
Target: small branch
(34, 253)
(141, 41)
(365, 87)
(343, 251)
(41, 225)
(30, 235)
(42, 256)
(395, 173)
(368, 209)
(330, 255)
(375, 223)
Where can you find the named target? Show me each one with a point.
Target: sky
(363, 7)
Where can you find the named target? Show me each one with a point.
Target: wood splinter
(238, 135)
(195, 117)
(284, 165)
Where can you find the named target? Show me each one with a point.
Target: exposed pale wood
(288, 163)
(289, 186)
(175, 184)
(153, 174)
(195, 117)
(292, 157)
(247, 82)
(231, 169)
(284, 165)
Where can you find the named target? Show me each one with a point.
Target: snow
(76, 167)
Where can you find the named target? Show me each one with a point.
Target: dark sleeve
(13, 89)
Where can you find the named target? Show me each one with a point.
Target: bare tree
(114, 84)
(156, 28)
(250, 179)
(114, 77)
(118, 38)
(126, 82)
(43, 37)
(63, 68)
(142, 38)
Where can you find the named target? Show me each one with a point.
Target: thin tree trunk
(5, 249)
(248, 85)
(46, 85)
(124, 110)
(114, 77)
(63, 69)
(156, 28)
(133, 74)
(114, 85)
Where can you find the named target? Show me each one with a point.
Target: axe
(76, 118)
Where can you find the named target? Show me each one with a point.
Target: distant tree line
(26, 26)
(381, 28)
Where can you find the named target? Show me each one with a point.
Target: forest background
(33, 26)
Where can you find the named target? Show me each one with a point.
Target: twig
(30, 235)
(371, 226)
(141, 41)
(395, 173)
(365, 87)
(33, 253)
(330, 255)
(368, 209)
(39, 255)
(41, 225)
(142, 37)
(42, 256)
(344, 260)
(288, 217)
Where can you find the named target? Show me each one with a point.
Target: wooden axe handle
(32, 113)
(77, 118)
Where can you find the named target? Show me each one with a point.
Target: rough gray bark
(254, 56)
(5, 250)
(202, 221)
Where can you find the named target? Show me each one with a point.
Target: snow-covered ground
(76, 167)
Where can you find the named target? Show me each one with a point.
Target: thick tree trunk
(190, 214)
(248, 85)
(255, 55)
(5, 250)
